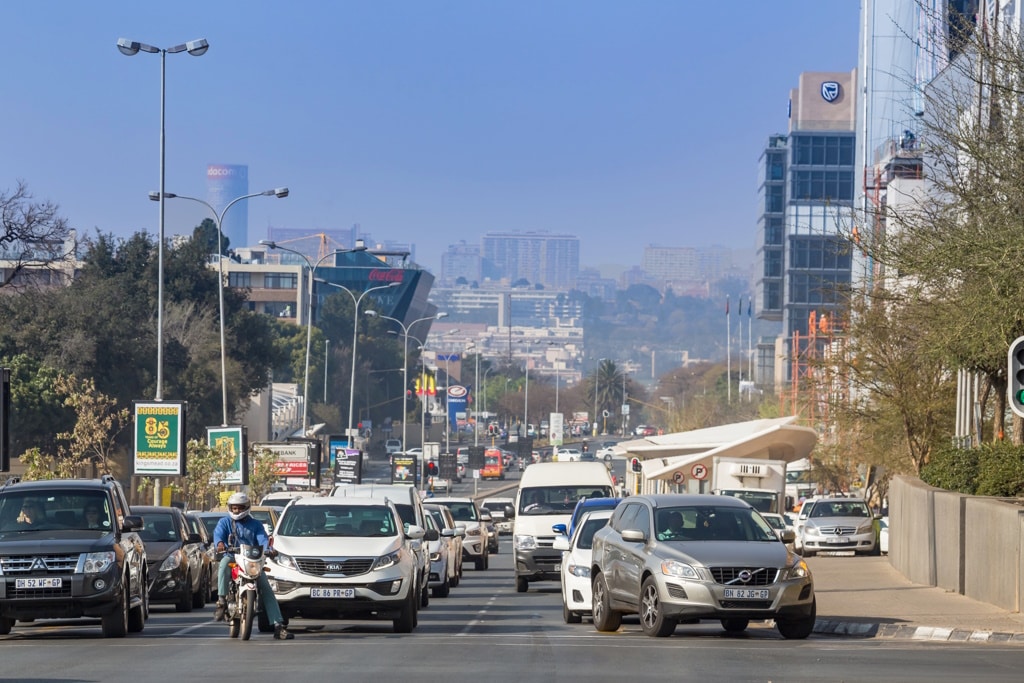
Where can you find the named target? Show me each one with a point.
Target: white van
(547, 495)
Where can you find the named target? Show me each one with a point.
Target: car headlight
(385, 561)
(525, 542)
(173, 561)
(97, 563)
(435, 557)
(678, 569)
(579, 570)
(810, 530)
(866, 528)
(475, 531)
(286, 561)
(798, 570)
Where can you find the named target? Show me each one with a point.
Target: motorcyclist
(240, 528)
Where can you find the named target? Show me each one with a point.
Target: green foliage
(993, 469)
(262, 474)
(207, 468)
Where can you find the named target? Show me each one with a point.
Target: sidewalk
(866, 597)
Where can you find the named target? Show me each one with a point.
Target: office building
(536, 257)
(225, 183)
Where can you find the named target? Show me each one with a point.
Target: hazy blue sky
(626, 123)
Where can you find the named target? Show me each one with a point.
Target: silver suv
(672, 558)
(839, 524)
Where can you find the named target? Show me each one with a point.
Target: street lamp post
(129, 48)
(356, 300)
(597, 380)
(309, 315)
(405, 362)
(526, 393)
(327, 346)
(280, 193)
(476, 388)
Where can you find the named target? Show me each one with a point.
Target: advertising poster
(159, 437)
(456, 405)
(232, 438)
(404, 469)
(292, 461)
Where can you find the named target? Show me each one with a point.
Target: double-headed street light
(280, 193)
(309, 314)
(196, 48)
(355, 339)
(405, 361)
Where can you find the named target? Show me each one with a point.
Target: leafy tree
(207, 468)
(32, 234)
(262, 473)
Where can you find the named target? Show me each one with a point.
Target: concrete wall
(971, 545)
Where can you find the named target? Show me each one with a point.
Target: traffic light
(1015, 376)
(635, 464)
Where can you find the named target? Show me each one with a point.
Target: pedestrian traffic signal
(1015, 376)
(635, 464)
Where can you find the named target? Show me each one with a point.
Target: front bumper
(539, 564)
(78, 596)
(682, 599)
(818, 542)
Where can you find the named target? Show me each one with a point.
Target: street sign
(699, 472)
(678, 477)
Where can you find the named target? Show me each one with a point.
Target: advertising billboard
(159, 437)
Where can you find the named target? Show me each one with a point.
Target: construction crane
(325, 244)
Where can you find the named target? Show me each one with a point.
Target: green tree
(207, 468)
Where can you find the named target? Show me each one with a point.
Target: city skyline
(626, 124)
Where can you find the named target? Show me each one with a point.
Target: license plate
(332, 592)
(37, 583)
(745, 594)
(837, 541)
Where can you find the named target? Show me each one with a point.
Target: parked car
(180, 570)
(452, 533)
(839, 524)
(674, 557)
(73, 568)
(475, 543)
(778, 523)
(576, 589)
(346, 558)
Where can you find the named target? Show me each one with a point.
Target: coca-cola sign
(386, 275)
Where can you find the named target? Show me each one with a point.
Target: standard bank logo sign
(830, 91)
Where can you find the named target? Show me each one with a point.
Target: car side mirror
(634, 536)
(510, 511)
(485, 518)
(560, 529)
(431, 535)
(193, 538)
(132, 523)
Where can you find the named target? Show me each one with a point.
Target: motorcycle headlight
(173, 561)
(97, 563)
(524, 542)
(385, 561)
(252, 569)
(678, 569)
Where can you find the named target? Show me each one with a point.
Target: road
(484, 631)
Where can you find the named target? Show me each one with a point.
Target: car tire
(115, 623)
(5, 625)
(800, 628)
(442, 590)
(652, 617)
(425, 595)
(137, 615)
(605, 618)
(199, 598)
(405, 622)
(184, 603)
(735, 625)
(522, 585)
(569, 616)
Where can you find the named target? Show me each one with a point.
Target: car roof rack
(13, 479)
(105, 478)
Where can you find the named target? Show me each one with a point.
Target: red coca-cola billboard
(386, 275)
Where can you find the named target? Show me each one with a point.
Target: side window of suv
(628, 518)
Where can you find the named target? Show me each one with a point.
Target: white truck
(761, 483)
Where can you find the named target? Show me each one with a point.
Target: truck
(761, 483)
(800, 484)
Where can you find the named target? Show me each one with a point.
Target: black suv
(69, 548)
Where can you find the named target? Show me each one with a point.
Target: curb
(919, 633)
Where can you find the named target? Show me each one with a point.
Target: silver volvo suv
(687, 557)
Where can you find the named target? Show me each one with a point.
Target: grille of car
(30, 593)
(50, 564)
(759, 576)
(351, 566)
(838, 530)
(745, 604)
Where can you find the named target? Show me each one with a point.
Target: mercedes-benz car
(837, 524)
(683, 557)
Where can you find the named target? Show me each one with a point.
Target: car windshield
(159, 526)
(338, 520)
(585, 537)
(463, 512)
(711, 523)
(556, 500)
(45, 511)
(846, 508)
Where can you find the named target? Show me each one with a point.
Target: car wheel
(443, 590)
(798, 628)
(605, 618)
(5, 625)
(735, 625)
(137, 615)
(115, 623)
(406, 621)
(522, 585)
(652, 617)
(184, 603)
(569, 616)
(199, 598)
(425, 595)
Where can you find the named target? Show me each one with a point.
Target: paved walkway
(867, 597)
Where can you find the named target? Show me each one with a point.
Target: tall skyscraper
(537, 257)
(224, 183)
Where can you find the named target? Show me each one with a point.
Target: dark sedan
(179, 566)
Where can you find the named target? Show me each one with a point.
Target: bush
(993, 469)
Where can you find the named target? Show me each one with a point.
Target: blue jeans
(267, 597)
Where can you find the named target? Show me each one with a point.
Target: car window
(463, 512)
(627, 520)
(585, 536)
(338, 520)
(159, 527)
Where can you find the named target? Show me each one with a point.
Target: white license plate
(37, 583)
(332, 592)
(745, 594)
(837, 541)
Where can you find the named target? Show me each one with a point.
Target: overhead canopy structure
(663, 456)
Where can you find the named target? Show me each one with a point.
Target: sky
(625, 123)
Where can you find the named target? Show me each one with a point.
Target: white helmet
(239, 499)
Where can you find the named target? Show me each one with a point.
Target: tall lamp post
(327, 355)
(309, 314)
(597, 380)
(405, 362)
(356, 300)
(526, 393)
(129, 48)
(476, 387)
(280, 193)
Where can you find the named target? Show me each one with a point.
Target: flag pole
(728, 350)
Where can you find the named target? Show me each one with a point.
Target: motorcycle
(243, 603)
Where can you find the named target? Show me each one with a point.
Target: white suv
(466, 513)
(346, 558)
(393, 446)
